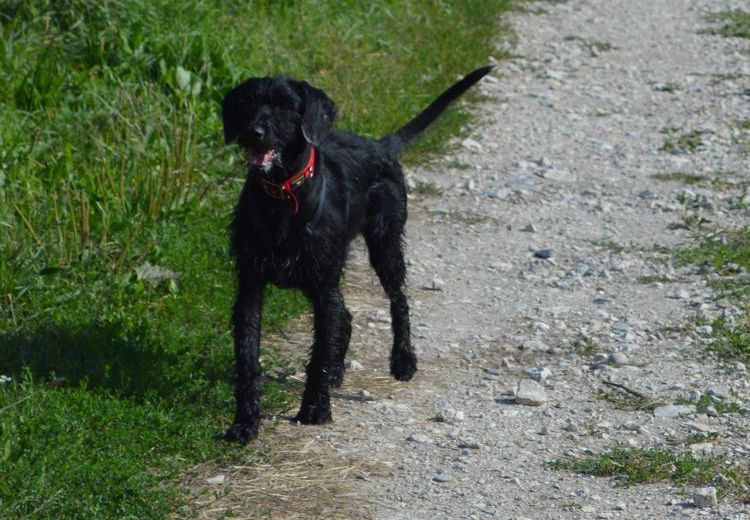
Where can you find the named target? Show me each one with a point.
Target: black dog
(309, 192)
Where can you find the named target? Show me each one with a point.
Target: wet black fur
(358, 187)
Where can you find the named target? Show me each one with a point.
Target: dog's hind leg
(383, 234)
(332, 330)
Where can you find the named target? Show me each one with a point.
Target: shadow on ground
(100, 356)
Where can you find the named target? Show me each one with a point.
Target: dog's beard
(263, 160)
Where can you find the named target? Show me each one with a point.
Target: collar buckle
(285, 190)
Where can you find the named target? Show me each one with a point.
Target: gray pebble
(471, 145)
(352, 364)
(705, 497)
(674, 410)
(544, 253)
(705, 330)
(419, 438)
(539, 374)
(530, 393)
(680, 293)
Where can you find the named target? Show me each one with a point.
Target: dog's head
(274, 118)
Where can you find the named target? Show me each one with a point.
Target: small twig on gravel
(637, 394)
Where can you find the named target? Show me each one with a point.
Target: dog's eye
(288, 105)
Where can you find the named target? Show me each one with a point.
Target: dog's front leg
(246, 324)
(330, 333)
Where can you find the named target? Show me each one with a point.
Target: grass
(685, 143)
(720, 180)
(685, 178)
(654, 278)
(625, 401)
(637, 466)
(732, 341)
(719, 405)
(733, 24)
(585, 347)
(593, 46)
(725, 252)
(669, 86)
(728, 255)
(426, 188)
(112, 157)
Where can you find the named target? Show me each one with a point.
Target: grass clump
(727, 254)
(732, 341)
(638, 466)
(705, 401)
(669, 86)
(654, 278)
(426, 188)
(733, 24)
(685, 143)
(594, 47)
(685, 178)
(623, 401)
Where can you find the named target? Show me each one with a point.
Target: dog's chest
(302, 264)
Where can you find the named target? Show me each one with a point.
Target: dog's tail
(396, 142)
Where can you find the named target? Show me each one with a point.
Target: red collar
(285, 190)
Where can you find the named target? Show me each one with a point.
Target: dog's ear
(234, 112)
(319, 113)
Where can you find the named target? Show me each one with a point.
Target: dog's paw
(403, 365)
(336, 377)
(242, 432)
(313, 415)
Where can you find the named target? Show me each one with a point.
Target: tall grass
(110, 108)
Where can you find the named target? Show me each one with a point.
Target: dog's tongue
(262, 159)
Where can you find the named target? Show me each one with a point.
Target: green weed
(426, 188)
(649, 279)
(685, 178)
(734, 24)
(685, 143)
(669, 86)
(624, 401)
(594, 47)
(719, 405)
(724, 251)
(636, 466)
(728, 255)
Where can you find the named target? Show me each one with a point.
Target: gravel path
(546, 256)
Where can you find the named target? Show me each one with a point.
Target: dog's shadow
(95, 355)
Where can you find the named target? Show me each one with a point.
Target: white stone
(352, 364)
(539, 374)
(674, 410)
(705, 497)
(419, 438)
(680, 293)
(530, 393)
(471, 145)
(216, 479)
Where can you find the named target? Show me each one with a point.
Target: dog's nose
(257, 131)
